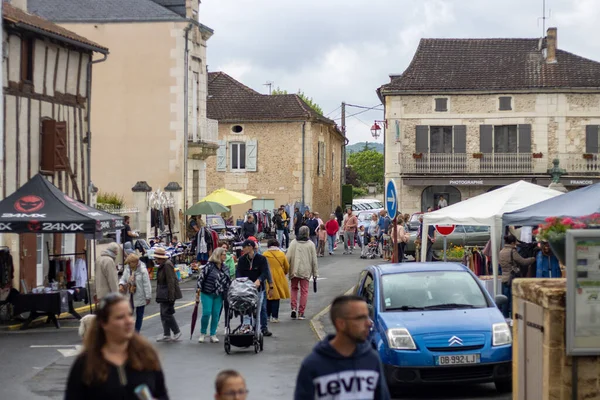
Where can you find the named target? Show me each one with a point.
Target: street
(37, 361)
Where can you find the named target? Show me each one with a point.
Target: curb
(315, 322)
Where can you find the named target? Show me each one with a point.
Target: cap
(249, 243)
(252, 238)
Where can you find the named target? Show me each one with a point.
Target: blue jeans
(263, 312)
(211, 310)
(280, 237)
(330, 242)
(139, 318)
(507, 308)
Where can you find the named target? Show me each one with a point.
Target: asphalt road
(36, 362)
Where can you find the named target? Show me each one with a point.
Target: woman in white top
(135, 282)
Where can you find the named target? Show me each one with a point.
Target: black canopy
(40, 207)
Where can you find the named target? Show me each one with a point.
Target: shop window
(432, 195)
(53, 146)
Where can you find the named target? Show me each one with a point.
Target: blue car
(436, 323)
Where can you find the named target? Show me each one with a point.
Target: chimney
(22, 4)
(551, 41)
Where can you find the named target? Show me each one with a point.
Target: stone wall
(556, 381)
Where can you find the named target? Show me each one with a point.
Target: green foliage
(368, 165)
(358, 192)
(351, 177)
(112, 199)
(307, 100)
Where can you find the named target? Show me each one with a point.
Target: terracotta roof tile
(492, 64)
(17, 16)
(229, 99)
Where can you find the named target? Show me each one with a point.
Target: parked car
(413, 224)
(228, 233)
(435, 323)
(463, 235)
(366, 204)
(364, 218)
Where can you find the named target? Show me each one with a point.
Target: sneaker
(214, 339)
(331, 253)
(294, 314)
(266, 332)
(301, 316)
(201, 339)
(274, 320)
(177, 336)
(164, 339)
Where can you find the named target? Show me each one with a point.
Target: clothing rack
(84, 254)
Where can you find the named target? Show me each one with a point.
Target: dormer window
(505, 103)
(441, 104)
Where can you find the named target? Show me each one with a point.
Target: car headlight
(400, 339)
(501, 334)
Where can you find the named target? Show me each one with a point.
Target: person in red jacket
(332, 227)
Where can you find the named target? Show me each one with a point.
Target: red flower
(551, 219)
(579, 226)
(567, 221)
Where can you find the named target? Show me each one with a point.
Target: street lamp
(376, 128)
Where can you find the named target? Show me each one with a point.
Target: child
(230, 261)
(361, 237)
(386, 247)
(230, 384)
(322, 235)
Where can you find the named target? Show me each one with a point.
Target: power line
(360, 112)
(360, 120)
(328, 114)
(368, 108)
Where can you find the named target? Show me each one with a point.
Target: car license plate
(458, 359)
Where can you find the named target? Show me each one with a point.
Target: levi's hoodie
(327, 375)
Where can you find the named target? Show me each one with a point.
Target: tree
(368, 165)
(351, 177)
(307, 100)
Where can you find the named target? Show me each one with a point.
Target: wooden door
(28, 261)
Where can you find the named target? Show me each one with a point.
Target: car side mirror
(500, 300)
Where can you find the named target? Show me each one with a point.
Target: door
(28, 261)
(367, 292)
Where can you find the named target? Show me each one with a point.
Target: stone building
(149, 97)
(274, 147)
(47, 72)
(470, 115)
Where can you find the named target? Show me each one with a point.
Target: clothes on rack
(7, 269)
(59, 266)
(475, 261)
(80, 273)
(205, 244)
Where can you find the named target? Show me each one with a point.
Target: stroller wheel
(256, 347)
(227, 348)
(261, 342)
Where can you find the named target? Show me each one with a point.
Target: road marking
(63, 349)
(70, 352)
(177, 308)
(315, 322)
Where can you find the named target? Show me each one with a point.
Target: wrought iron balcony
(468, 163)
(579, 163)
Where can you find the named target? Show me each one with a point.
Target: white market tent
(487, 210)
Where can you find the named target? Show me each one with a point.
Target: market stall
(487, 209)
(40, 207)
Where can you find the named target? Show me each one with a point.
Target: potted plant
(537, 155)
(417, 156)
(554, 231)
(477, 155)
(588, 156)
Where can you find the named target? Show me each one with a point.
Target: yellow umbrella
(228, 197)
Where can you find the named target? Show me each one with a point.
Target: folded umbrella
(194, 319)
(315, 284)
(206, 207)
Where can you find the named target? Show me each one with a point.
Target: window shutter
(525, 138)
(324, 159)
(251, 159)
(441, 104)
(319, 160)
(486, 139)
(591, 139)
(460, 139)
(505, 103)
(422, 139)
(54, 146)
(62, 161)
(222, 156)
(397, 131)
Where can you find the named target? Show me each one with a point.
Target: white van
(366, 204)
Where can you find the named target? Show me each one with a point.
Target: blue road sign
(391, 199)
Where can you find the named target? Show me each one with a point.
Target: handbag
(515, 271)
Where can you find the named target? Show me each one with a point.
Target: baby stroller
(371, 250)
(243, 299)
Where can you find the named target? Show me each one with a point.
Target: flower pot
(557, 242)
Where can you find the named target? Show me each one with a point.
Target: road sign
(391, 199)
(444, 230)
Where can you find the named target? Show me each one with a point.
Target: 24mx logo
(49, 226)
(12, 215)
(5, 227)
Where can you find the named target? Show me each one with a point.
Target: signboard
(444, 230)
(583, 292)
(391, 199)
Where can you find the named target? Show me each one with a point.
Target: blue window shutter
(222, 156)
(251, 155)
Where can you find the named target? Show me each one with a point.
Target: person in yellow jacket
(279, 266)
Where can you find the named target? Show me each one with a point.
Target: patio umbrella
(206, 207)
(194, 319)
(228, 197)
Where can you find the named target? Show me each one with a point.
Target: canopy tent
(487, 210)
(578, 203)
(40, 207)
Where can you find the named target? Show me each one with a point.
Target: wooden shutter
(460, 139)
(222, 156)
(591, 139)
(54, 146)
(486, 142)
(422, 139)
(251, 156)
(319, 160)
(524, 138)
(62, 161)
(505, 103)
(397, 131)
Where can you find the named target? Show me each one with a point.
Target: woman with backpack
(135, 283)
(213, 284)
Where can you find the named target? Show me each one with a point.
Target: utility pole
(269, 84)
(344, 150)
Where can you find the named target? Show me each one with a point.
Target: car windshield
(364, 216)
(212, 221)
(431, 290)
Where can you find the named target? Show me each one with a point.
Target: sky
(343, 50)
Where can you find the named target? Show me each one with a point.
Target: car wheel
(503, 386)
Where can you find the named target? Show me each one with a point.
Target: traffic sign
(391, 199)
(444, 230)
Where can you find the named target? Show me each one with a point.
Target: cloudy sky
(342, 50)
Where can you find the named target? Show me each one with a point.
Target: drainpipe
(303, 162)
(185, 118)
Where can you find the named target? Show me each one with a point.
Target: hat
(160, 253)
(252, 238)
(249, 243)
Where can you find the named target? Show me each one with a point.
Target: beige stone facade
(278, 174)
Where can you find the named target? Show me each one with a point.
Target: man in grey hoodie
(344, 365)
(107, 278)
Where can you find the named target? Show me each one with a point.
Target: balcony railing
(578, 163)
(206, 132)
(466, 163)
